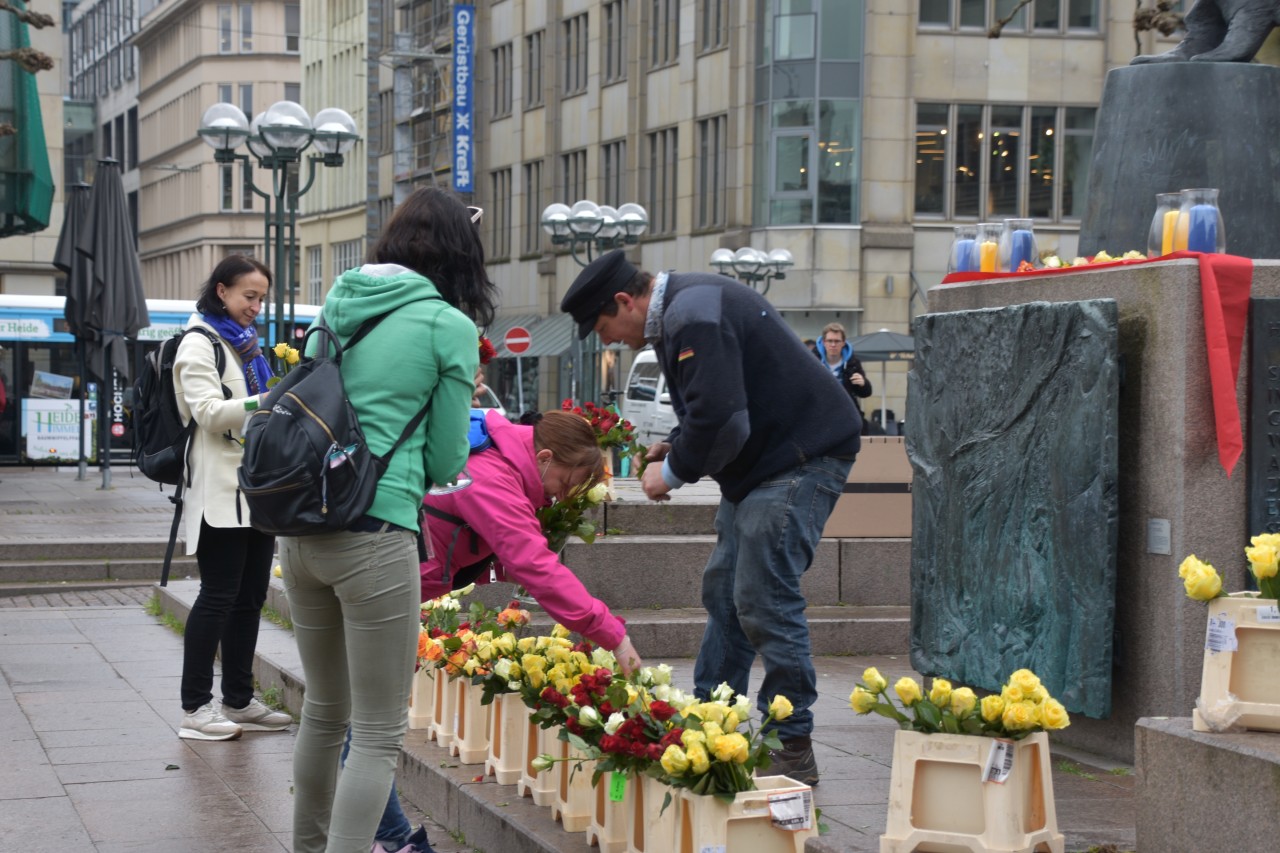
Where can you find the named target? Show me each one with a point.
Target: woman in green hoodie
(354, 595)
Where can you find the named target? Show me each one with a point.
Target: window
(224, 29)
(573, 176)
(614, 44)
(1002, 160)
(573, 50)
(246, 28)
(246, 186)
(246, 100)
(660, 181)
(664, 32)
(498, 215)
(1047, 16)
(292, 27)
(315, 274)
(293, 92)
(713, 24)
(533, 69)
(131, 149)
(226, 201)
(532, 207)
(613, 166)
(709, 203)
(108, 145)
(346, 256)
(502, 80)
(225, 95)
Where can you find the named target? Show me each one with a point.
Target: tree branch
(39, 20)
(30, 59)
(998, 26)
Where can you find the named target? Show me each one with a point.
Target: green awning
(26, 181)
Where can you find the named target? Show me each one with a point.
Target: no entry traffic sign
(516, 340)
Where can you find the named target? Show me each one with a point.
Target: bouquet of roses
(1203, 583)
(285, 358)
(1021, 707)
(449, 643)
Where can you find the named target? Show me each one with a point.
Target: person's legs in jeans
(240, 633)
(726, 654)
(354, 599)
(221, 555)
(394, 828)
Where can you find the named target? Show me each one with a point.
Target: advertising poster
(52, 429)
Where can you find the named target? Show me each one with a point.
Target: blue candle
(1022, 247)
(964, 256)
(1202, 230)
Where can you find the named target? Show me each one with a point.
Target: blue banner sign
(463, 96)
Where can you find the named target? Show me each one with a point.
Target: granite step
(57, 569)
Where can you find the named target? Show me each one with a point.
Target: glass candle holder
(964, 255)
(1017, 245)
(988, 247)
(1200, 227)
(1163, 225)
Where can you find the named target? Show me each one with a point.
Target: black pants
(235, 565)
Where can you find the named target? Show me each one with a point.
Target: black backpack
(161, 441)
(307, 468)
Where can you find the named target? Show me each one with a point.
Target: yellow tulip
(874, 680)
(780, 708)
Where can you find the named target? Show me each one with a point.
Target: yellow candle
(987, 256)
(1180, 233)
(1167, 230)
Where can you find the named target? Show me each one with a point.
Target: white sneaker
(207, 723)
(256, 717)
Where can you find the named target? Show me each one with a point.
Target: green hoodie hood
(364, 293)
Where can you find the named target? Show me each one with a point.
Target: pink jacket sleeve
(509, 526)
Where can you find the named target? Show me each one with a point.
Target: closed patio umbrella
(883, 346)
(76, 267)
(117, 307)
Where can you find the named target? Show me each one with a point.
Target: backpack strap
(460, 526)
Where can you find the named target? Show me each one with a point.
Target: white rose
(466, 590)
(662, 692)
(503, 669)
(602, 658)
(614, 722)
(450, 604)
(742, 706)
(723, 693)
(589, 717)
(598, 493)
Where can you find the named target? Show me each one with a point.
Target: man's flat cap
(594, 288)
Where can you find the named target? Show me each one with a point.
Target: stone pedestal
(1199, 792)
(1168, 471)
(1179, 125)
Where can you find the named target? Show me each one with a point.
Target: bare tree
(1159, 17)
(28, 58)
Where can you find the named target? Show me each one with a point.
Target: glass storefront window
(791, 166)
(1003, 161)
(931, 159)
(792, 113)
(968, 162)
(1041, 166)
(838, 135)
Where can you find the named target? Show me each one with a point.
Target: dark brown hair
(432, 234)
(226, 272)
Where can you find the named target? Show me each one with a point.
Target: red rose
(661, 711)
(487, 352)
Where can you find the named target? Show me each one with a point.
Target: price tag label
(617, 786)
(1220, 635)
(1270, 613)
(711, 848)
(999, 762)
(790, 810)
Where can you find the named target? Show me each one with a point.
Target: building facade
(191, 55)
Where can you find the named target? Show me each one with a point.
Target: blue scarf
(245, 342)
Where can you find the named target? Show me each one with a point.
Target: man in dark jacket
(836, 354)
(745, 390)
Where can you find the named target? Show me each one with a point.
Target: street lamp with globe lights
(753, 266)
(596, 227)
(277, 139)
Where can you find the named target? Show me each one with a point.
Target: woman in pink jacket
(490, 531)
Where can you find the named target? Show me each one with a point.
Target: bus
(41, 381)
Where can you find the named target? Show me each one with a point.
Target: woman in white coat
(234, 559)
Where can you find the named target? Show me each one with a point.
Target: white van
(647, 403)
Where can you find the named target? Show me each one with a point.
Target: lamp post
(753, 266)
(592, 226)
(277, 139)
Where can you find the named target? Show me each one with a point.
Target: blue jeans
(751, 589)
(354, 600)
(394, 826)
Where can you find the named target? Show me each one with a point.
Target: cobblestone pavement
(123, 596)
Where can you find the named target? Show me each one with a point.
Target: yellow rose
(1020, 716)
(537, 678)
(699, 761)
(874, 680)
(1189, 565)
(731, 721)
(1053, 716)
(713, 712)
(674, 761)
(940, 692)
(1026, 680)
(1264, 560)
(526, 644)
(862, 701)
(280, 349)
(992, 708)
(291, 356)
(559, 631)
(908, 690)
(1203, 584)
(963, 701)
(1038, 695)
(1272, 539)
(691, 738)
(1011, 693)
(712, 730)
(780, 708)
(534, 663)
(731, 747)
